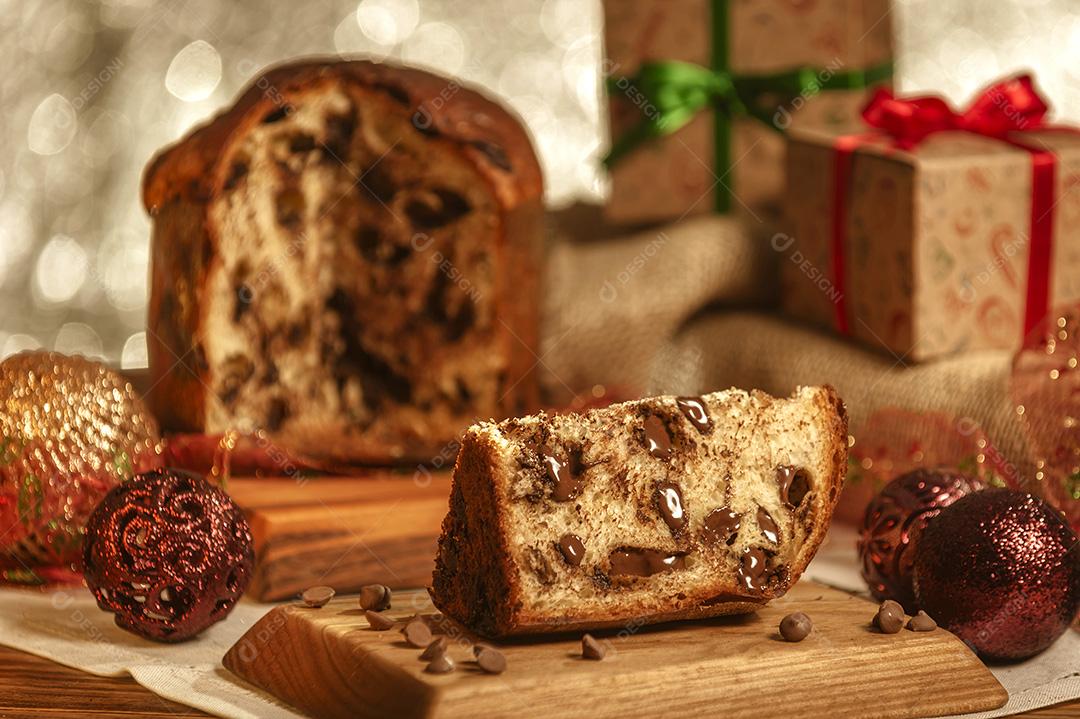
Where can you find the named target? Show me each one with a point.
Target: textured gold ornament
(70, 430)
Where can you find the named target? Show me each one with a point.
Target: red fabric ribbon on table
(1008, 106)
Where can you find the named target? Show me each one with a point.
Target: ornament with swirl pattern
(168, 554)
(70, 430)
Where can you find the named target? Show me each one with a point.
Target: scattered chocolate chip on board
(890, 617)
(795, 627)
(317, 597)
(375, 597)
(379, 622)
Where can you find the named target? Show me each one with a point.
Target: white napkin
(1048, 678)
(66, 626)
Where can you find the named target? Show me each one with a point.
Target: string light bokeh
(92, 90)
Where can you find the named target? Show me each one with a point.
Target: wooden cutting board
(329, 664)
(379, 527)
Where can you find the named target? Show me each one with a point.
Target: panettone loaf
(653, 510)
(347, 259)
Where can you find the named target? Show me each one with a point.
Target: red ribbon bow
(1007, 106)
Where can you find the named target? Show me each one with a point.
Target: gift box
(934, 232)
(700, 90)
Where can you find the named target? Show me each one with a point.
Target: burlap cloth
(685, 308)
(613, 302)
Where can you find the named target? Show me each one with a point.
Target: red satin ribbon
(1008, 106)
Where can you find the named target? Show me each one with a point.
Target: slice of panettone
(647, 511)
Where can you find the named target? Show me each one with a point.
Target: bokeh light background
(91, 90)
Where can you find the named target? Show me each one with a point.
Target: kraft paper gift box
(793, 64)
(960, 242)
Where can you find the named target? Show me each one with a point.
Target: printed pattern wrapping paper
(937, 241)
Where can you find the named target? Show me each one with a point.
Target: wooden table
(38, 688)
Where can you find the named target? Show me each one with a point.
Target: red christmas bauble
(1001, 570)
(70, 430)
(169, 554)
(892, 523)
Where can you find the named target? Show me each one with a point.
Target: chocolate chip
(494, 153)
(637, 562)
(722, 525)
(592, 649)
(316, 597)
(276, 414)
(768, 526)
(290, 207)
(277, 115)
(441, 664)
(795, 627)
(436, 208)
(491, 660)
(572, 549)
(379, 622)
(339, 132)
(375, 597)
(693, 408)
(921, 622)
(890, 617)
(670, 501)
(237, 172)
(244, 296)
(567, 486)
(794, 485)
(752, 569)
(479, 647)
(657, 439)
(435, 648)
(417, 633)
(301, 143)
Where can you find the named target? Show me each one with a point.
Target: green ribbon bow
(671, 93)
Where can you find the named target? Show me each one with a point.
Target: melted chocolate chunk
(657, 439)
(670, 501)
(794, 485)
(752, 570)
(637, 562)
(567, 486)
(722, 525)
(768, 526)
(572, 549)
(693, 408)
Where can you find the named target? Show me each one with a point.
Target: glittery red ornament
(168, 554)
(893, 521)
(1001, 570)
(70, 430)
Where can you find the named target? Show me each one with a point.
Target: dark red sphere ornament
(892, 523)
(169, 554)
(1001, 570)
